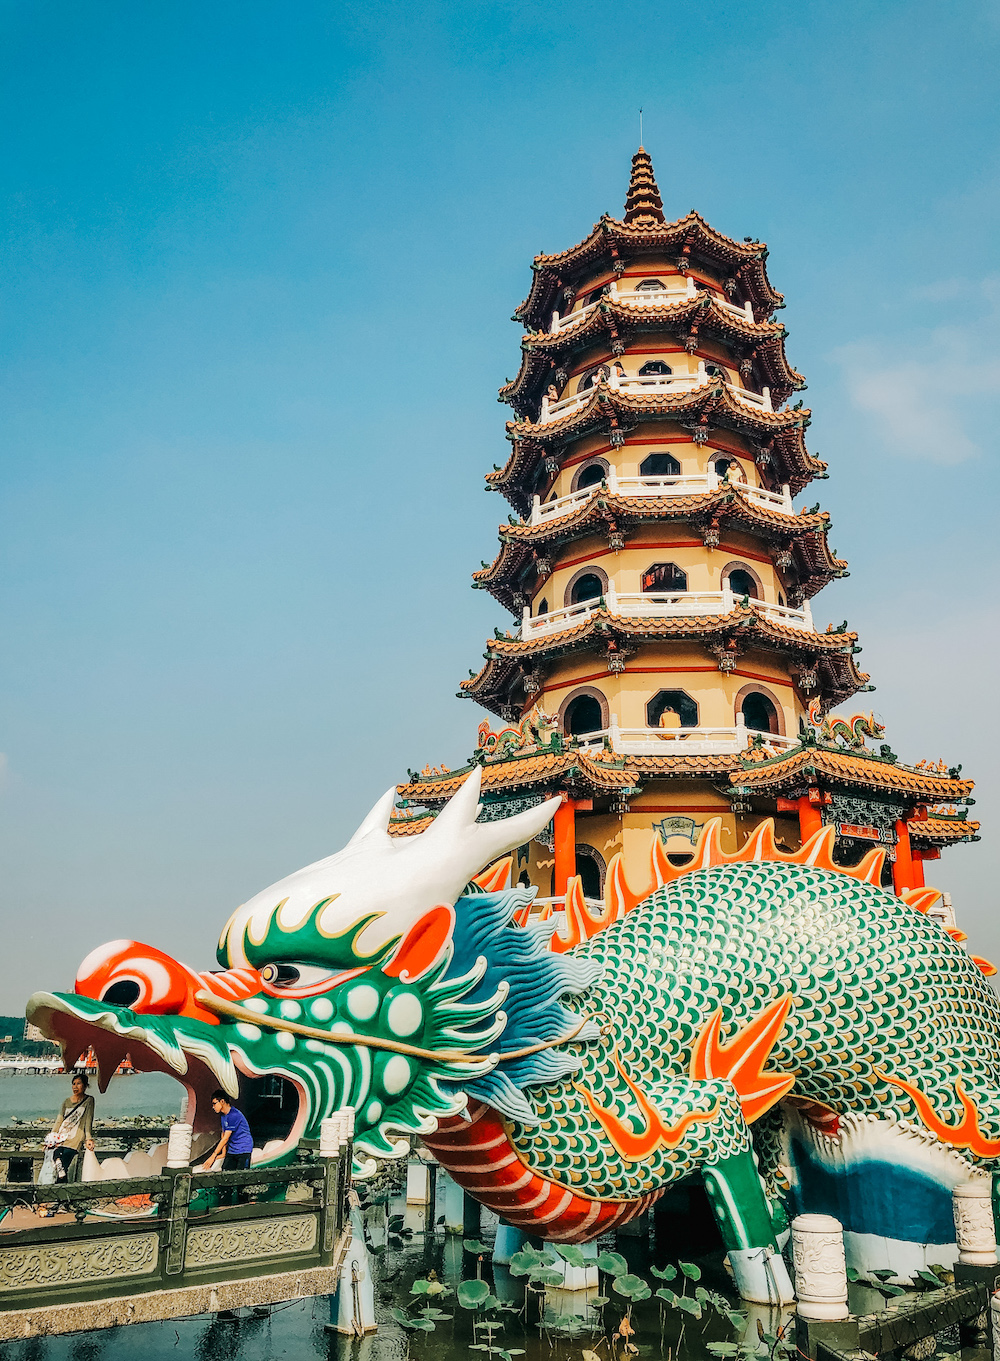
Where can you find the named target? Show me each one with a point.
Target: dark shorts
(235, 1162)
(64, 1159)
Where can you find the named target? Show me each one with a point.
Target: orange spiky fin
(742, 1059)
(496, 877)
(921, 899)
(580, 923)
(984, 965)
(966, 1133)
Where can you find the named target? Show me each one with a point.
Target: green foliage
(692, 1272)
(664, 1273)
(477, 1248)
(473, 1294)
(612, 1263)
(571, 1255)
(632, 1287)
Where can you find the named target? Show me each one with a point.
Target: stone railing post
(820, 1267)
(180, 1196)
(975, 1232)
(179, 1145)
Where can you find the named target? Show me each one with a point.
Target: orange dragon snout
(129, 974)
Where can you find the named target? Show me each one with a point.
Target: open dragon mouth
(201, 1057)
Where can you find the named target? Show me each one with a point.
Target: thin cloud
(918, 395)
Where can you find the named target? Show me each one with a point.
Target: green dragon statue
(788, 1031)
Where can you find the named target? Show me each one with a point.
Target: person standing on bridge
(236, 1144)
(74, 1128)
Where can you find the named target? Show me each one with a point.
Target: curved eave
(542, 769)
(690, 235)
(708, 405)
(937, 832)
(806, 534)
(846, 768)
(507, 660)
(543, 351)
(402, 826)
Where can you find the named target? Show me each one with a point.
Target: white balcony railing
(649, 298)
(680, 741)
(660, 382)
(658, 605)
(692, 484)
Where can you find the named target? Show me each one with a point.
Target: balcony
(695, 484)
(650, 298)
(680, 741)
(671, 383)
(657, 605)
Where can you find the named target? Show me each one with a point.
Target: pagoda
(665, 666)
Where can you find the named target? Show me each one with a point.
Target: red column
(902, 870)
(564, 828)
(918, 872)
(810, 818)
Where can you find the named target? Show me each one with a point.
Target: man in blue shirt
(236, 1144)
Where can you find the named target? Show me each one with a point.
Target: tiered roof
(827, 656)
(608, 410)
(687, 318)
(730, 506)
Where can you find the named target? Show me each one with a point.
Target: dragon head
(379, 978)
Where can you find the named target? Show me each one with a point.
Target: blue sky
(259, 265)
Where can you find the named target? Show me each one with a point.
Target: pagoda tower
(664, 665)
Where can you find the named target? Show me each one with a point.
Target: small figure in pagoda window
(670, 722)
(552, 395)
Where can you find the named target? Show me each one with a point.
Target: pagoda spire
(643, 204)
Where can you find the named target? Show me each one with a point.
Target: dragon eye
(298, 978)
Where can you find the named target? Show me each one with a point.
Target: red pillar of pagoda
(903, 867)
(564, 828)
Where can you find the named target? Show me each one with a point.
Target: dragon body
(788, 1031)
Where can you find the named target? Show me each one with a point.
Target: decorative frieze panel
(78, 1262)
(282, 1237)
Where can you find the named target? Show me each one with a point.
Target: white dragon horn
(378, 819)
(482, 842)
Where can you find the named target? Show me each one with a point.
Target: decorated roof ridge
(538, 350)
(690, 237)
(943, 831)
(786, 447)
(714, 390)
(832, 675)
(857, 766)
(743, 621)
(733, 496)
(643, 204)
(534, 768)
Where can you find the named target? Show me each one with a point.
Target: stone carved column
(974, 1229)
(820, 1267)
(179, 1145)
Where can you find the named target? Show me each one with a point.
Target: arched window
(583, 715)
(590, 378)
(543, 607)
(590, 476)
(586, 587)
(741, 583)
(590, 867)
(759, 713)
(714, 371)
(650, 286)
(664, 576)
(656, 368)
(659, 465)
(672, 702)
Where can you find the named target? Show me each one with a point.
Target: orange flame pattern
(742, 1059)
(966, 1134)
(632, 1146)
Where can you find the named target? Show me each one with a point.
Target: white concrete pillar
(179, 1145)
(330, 1132)
(975, 1232)
(452, 1199)
(418, 1184)
(820, 1267)
(354, 1303)
(581, 1277)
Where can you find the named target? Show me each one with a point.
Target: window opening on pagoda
(543, 607)
(650, 286)
(589, 379)
(672, 709)
(664, 577)
(587, 587)
(660, 465)
(759, 713)
(590, 868)
(656, 368)
(741, 583)
(591, 476)
(583, 715)
(714, 371)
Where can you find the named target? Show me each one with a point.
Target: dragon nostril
(124, 993)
